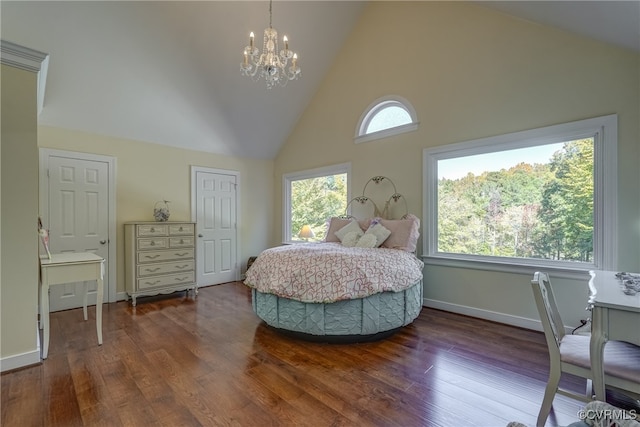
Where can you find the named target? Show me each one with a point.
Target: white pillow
(336, 223)
(351, 239)
(352, 227)
(380, 232)
(367, 241)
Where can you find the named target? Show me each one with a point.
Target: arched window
(384, 117)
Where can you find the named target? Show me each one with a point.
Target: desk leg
(99, 297)
(84, 300)
(44, 315)
(596, 351)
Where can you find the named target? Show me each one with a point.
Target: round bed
(341, 289)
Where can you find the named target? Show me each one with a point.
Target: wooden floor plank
(15, 390)
(209, 361)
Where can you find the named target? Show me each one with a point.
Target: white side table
(70, 268)
(615, 317)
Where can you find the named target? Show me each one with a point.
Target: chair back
(548, 311)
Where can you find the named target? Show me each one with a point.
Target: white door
(78, 195)
(216, 227)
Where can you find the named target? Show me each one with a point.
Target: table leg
(84, 300)
(44, 315)
(596, 352)
(99, 297)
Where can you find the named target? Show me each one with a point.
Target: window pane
(314, 201)
(388, 117)
(532, 202)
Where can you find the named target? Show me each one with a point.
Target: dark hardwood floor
(174, 360)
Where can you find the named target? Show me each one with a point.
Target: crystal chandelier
(270, 65)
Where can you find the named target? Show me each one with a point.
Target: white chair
(570, 354)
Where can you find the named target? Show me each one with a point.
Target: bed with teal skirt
(362, 283)
(331, 293)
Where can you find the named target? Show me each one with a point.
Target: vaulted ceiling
(167, 72)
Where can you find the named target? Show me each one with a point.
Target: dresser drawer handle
(152, 256)
(153, 230)
(152, 270)
(180, 228)
(182, 241)
(182, 267)
(152, 243)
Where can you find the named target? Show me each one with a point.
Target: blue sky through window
(490, 162)
(388, 117)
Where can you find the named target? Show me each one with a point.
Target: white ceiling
(168, 71)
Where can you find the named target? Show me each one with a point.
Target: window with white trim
(545, 197)
(387, 116)
(311, 198)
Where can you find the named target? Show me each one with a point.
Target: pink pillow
(336, 224)
(404, 233)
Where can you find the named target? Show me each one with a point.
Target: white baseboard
(508, 319)
(24, 359)
(494, 316)
(121, 296)
(20, 360)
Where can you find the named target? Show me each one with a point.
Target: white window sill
(409, 127)
(510, 265)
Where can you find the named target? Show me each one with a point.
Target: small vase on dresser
(159, 258)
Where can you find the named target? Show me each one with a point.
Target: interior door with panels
(216, 227)
(78, 220)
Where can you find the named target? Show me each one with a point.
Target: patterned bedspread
(328, 272)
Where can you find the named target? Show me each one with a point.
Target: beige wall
(146, 173)
(470, 72)
(19, 219)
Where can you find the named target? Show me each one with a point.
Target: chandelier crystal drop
(270, 65)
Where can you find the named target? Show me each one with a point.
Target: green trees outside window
(539, 210)
(314, 201)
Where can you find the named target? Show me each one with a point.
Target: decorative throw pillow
(379, 231)
(404, 233)
(336, 224)
(367, 241)
(351, 239)
(415, 232)
(352, 227)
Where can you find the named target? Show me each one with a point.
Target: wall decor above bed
(362, 283)
(390, 203)
(403, 228)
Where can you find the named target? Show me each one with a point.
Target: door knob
(200, 235)
(102, 242)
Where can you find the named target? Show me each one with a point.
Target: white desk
(69, 268)
(615, 316)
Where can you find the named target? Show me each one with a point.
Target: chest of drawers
(159, 258)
